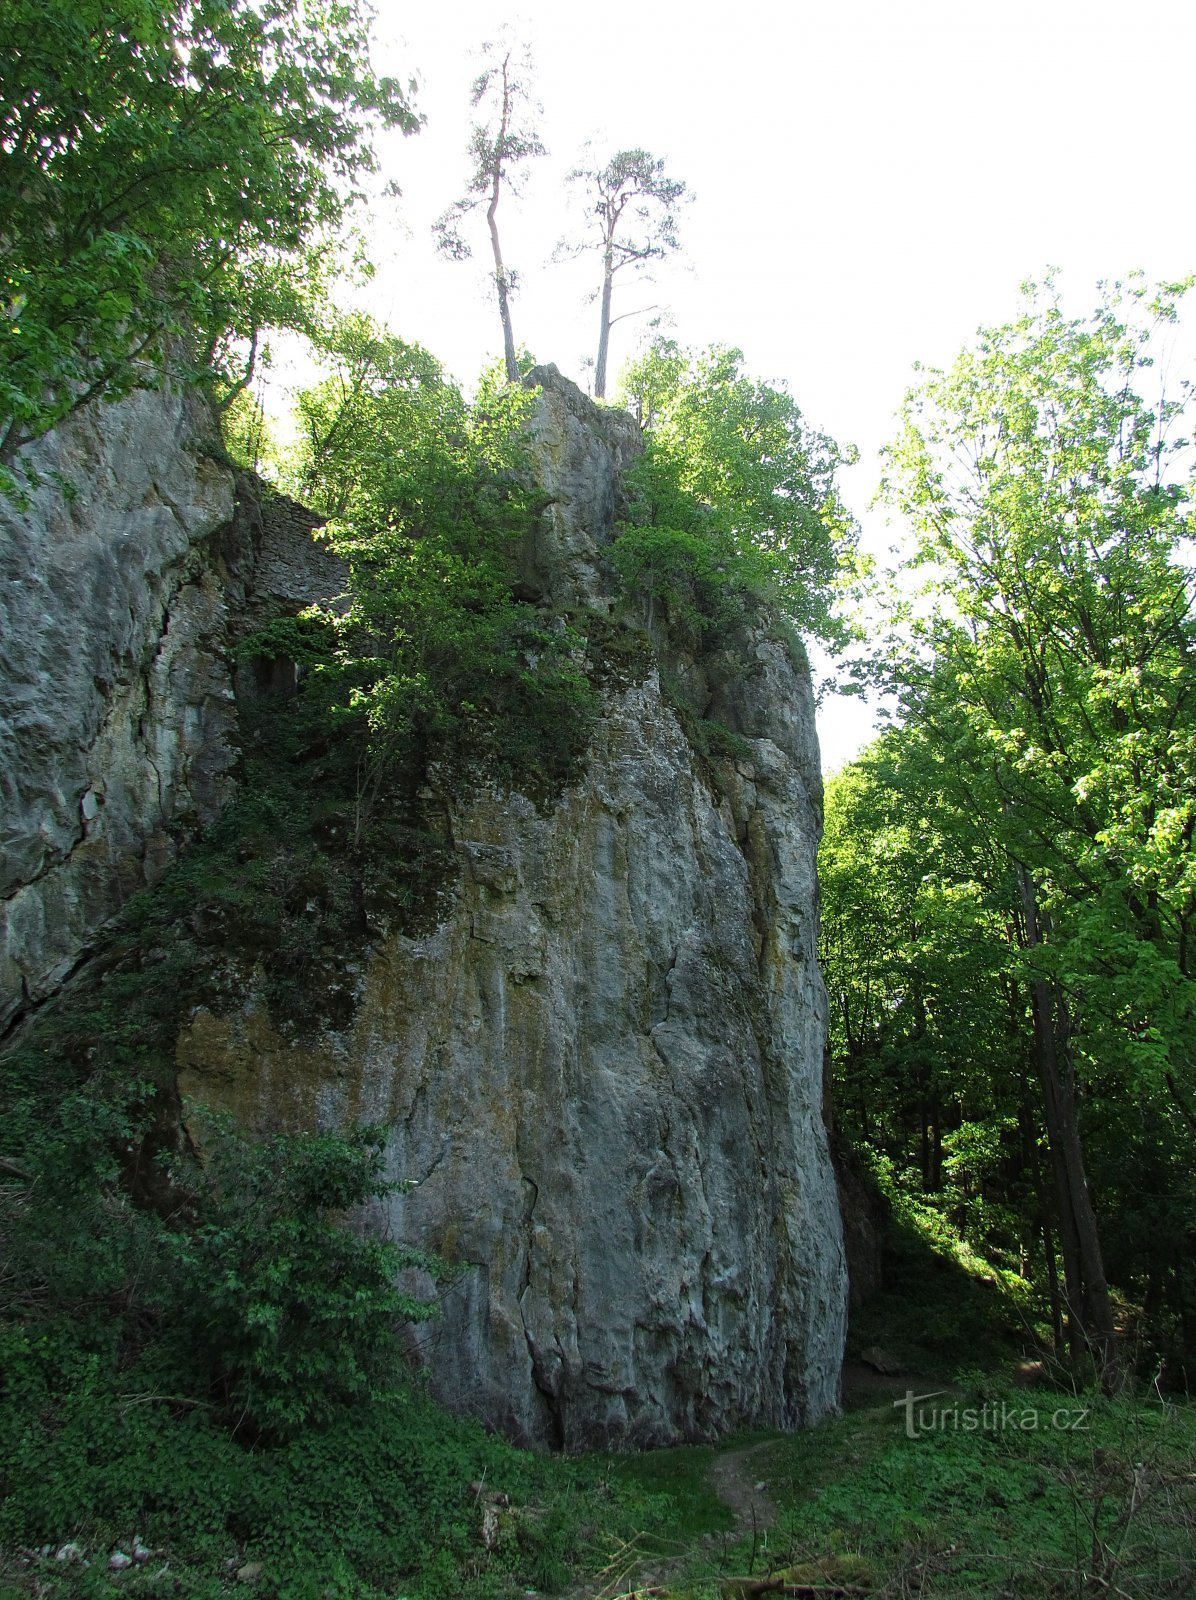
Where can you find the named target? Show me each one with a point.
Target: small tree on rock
(505, 138)
(631, 203)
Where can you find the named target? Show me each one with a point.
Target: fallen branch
(783, 1586)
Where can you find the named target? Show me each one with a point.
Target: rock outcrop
(125, 584)
(117, 720)
(602, 1069)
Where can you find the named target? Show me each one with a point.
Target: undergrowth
(942, 1307)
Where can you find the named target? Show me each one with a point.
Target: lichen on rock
(600, 1062)
(602, 1070)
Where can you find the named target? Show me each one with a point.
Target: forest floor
(1047, 1495)
(953, 1472)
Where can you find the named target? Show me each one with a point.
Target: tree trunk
(1090, 1314)
(500, 284)
(1026, 1121)
(500, 272)
(608, 272)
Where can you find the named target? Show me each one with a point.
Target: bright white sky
(873, 179)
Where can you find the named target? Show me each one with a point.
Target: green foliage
(1051, 507)
(430, 498)
(686, 572)
(926, 1023)
(247, 433)
(1070, 1497)
(171, 181)
(944, 1305)
(1012, 863)
(733, 499)
(289, 1313)
(227, 1280)
(378, 1501)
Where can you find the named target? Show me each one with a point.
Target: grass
(1072, 1496)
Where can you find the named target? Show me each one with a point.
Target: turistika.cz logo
(993, 1416)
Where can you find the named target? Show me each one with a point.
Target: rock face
(120, 600)
(602, 1071)
(117, 720)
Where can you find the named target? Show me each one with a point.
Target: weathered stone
(579, 450)
(123, 587)
(116, 718)
(603, 1070)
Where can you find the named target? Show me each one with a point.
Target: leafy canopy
(1043, 770)
(734, 496)
(429, 497)
(169, 174)
(1046, 479)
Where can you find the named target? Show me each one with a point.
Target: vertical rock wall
(602, 1071)
(117, 721)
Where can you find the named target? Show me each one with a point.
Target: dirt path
(735, 1479)
(738, 1485)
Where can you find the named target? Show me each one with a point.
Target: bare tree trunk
(608, 272)
(500, 284)
(500, 272)
(1026, 1122)
(1090, 1314)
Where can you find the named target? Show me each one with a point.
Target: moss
(618, 655)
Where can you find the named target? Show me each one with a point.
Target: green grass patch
(683, 1475)
(1002, 1493)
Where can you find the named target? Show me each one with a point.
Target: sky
(872, 181)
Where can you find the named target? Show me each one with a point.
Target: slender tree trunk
(500, 272)
(500, 284)
(608, 272)
(1090, 1314)
(936, 1152)
(1026, 1120)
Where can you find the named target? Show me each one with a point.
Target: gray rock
(121, 596)
(603, 1071)
(116, 717)
(579, 449)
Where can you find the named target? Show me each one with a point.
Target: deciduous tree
(735, 487)
(169, 178)
(1046, 479)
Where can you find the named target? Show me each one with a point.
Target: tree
(380, 399)
(498, 144)
(267, 1298)
(930, 1039)
(170, 183)
(735, 489)
(436, 658)
(1057, 680)
(631, 204)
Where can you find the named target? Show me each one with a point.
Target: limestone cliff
(124, 586)
(116, 716)
(602, 1068)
